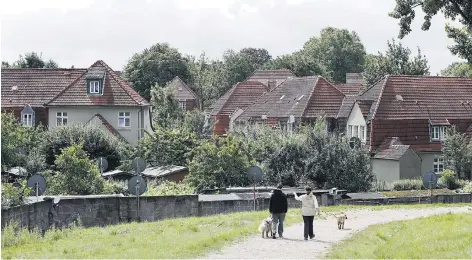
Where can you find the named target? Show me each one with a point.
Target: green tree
(339, 51)
(166, 108)
(96, 141)
(77, 175)
(34, 60)
(158, 64)
(15, 136)
(457, 151)
(171, 146)
(395, 61)
(14, 196)
(5, 65)
(458, 69)
(219, 162)
(301, 65)
(451, 9)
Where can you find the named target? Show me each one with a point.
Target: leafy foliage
(395, 61)
(451, 9)
(158, 64)
(168, 188)
(96, 141)
(449, 177)
(77, 175)
(166, 108)
(31, 60)
(338, 51)
(15, 136)
(457, 151)
(14, 196)
(458, 69)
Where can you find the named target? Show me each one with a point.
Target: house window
(27, 120)
(356, 131)
(124, 119)
(183, 105)
(438, 164)
(349, 131)
(438, 133)
(362, 133)
(94, 87)
(61, 118)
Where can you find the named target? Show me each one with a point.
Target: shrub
(14, 196)
(449, 177)
(408, 184)
(114, 187)
(14, 235)
(167, 188)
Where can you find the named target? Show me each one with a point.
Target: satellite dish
(19, 150)
(254, 173)
(137, 185)
(37, 183)
(102, 163)
(430, 180)
(138, 164)
(355, 142)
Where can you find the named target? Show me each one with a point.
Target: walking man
(278, 207)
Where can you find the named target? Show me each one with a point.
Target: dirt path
(293, 246)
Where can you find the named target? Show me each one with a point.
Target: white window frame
(349, 131)
(438, 133)
(362, 133)
(27, 119)
(124, 116)
(183, 104)
(438, 164)
(60, 116)
(94, 87)
(355, 131)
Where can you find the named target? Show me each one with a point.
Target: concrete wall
(386, 171)
(410, 165)
(84, 114)
(427, 161)
(453, 198)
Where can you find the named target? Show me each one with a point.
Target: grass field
(447, 236)
(171, 238)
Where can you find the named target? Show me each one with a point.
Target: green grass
(171, 238)
(441, 237)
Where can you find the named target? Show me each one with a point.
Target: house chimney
(272, 84)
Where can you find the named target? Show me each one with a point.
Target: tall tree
(395, 61)
(451, 9)
(5, 65)
(301, 65)
(31, 60)
(158, 64)
(458, 69)
(339, 51)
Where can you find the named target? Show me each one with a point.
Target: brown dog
(341, 218)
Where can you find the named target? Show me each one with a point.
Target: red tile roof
(116, 92)
(424, 97)
(181, 90)
(264, 76)
(349, 89)
(300, 97)
(34, 86)
(240, 96)
(391, 149)
(108, 126)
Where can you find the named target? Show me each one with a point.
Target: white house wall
(84, 114)
(356, 118)
(386, 171)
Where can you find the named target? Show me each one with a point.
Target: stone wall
(100, 211)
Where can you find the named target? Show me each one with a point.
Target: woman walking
(309, 209)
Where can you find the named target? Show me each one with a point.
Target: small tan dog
(341, 218)
(266, 227)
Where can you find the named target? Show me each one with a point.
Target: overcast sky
(79, 32)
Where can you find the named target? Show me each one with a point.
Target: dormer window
(27, 116)
(438, 133)
(94, 87)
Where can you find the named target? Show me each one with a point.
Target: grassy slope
(171, 238)
(443, 236)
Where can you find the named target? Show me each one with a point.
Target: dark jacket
(278, 202)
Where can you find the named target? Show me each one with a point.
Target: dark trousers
(308, 220)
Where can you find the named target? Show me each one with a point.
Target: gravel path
(293, 246)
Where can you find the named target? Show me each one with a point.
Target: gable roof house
(184, 94)
(55, 97)
(224, 111)
(415, 111)
(296, 100)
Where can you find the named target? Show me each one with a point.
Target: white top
(309, 204)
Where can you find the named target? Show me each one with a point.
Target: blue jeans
(278, 219)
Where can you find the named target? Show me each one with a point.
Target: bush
(95, 140)
(14, 235)
(14, 196)
(449, 177)
(114, 187)
(408, 184)
(168, 188)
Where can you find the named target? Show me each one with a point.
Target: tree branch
(464, 16)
